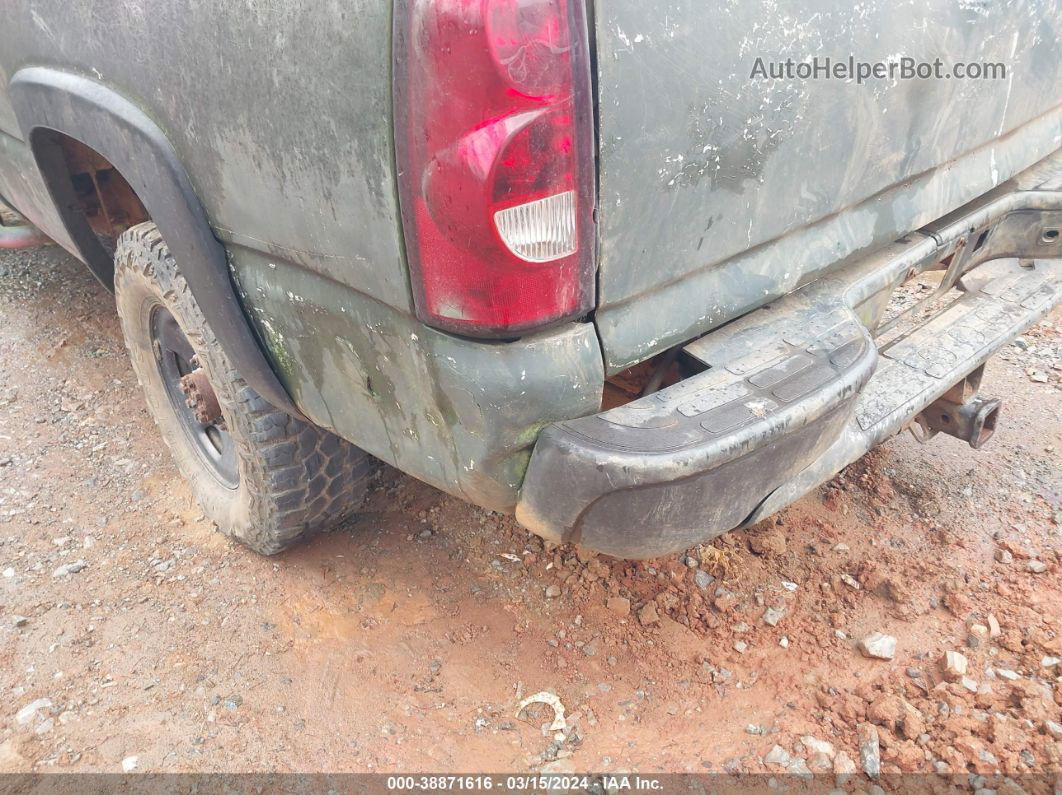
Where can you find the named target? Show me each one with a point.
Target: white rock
(851, 582)
(1010, 676)
(777, 756)
(1054, 729)
(799, 768)
(818, 746)
(772, 616)
(878, 646)
(955, 665)
(1004, 556)
(869, 750)
(843, 767)
(1050, 662)
(129, 764)
(69, 568)
(26, 715)
(977, 636)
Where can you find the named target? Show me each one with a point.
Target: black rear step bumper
(795, 391)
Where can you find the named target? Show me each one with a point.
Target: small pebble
(69, 568)
(954, 666)
(772, 616)
(777, 756)
(878, 646)
(703, 579)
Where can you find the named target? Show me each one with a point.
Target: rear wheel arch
(49, 101)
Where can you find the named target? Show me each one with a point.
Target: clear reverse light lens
(542, 230)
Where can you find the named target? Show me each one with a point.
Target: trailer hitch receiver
(961, 413)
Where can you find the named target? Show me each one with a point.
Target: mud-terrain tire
(270, 479)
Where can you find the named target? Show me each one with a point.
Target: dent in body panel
(459, 414)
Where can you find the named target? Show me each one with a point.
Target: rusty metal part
(108, 202)
(202, 399)
(961, 413)
(647, 377)
(22, 237)
(973, 422)
(665, 364)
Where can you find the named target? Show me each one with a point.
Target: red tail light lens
(494, 138)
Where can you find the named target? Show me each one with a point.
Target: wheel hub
(201, 398)
(193, 399)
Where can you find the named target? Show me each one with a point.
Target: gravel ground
(905, 617)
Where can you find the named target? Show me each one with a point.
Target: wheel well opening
(95, 201)
(104, 198)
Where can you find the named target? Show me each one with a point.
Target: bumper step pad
(794, 392)
(1002, 300)
(938, 354)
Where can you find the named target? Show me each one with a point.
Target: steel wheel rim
(173, 358)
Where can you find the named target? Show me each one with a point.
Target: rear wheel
(263, 476)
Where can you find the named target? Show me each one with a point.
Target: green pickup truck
(623, 269)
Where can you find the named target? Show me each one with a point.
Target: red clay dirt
(406, 641)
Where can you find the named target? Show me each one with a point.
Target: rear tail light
(494, 139)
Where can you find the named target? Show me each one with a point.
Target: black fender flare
(47, 99)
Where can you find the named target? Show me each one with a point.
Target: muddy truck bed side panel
(280, 113)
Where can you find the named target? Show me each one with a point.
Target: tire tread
(295, 478)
